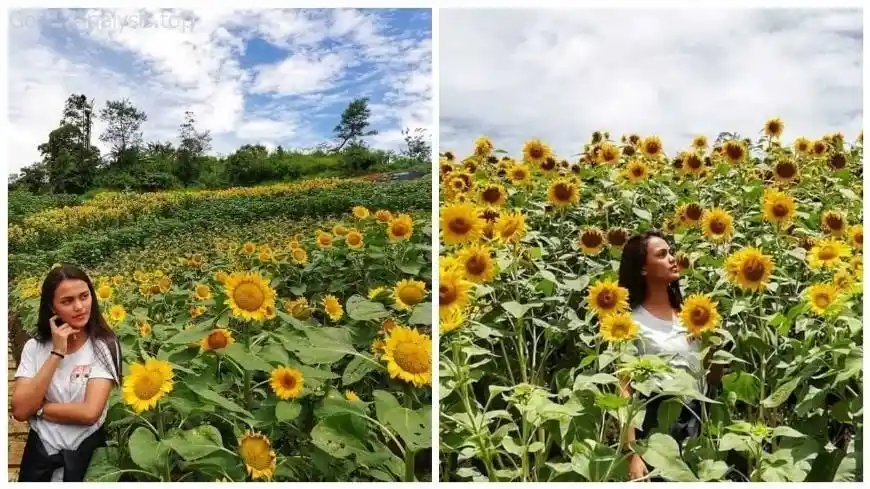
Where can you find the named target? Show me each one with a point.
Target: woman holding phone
(64, 379)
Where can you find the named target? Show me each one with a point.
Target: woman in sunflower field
(64, 379)
(650, 274)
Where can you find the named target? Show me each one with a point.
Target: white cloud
(298, 73)
(560, 75)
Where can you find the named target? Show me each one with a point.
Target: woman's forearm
(29, 394)
(80, 413)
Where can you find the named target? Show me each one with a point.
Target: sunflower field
(277, 334)
(536, 335)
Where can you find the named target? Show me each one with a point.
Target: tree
(124, 129)
(417, 143)
(78, 111)
(354, 121)
(33, 178)
(191, 149)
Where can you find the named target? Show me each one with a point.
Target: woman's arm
(82, 413)
(29, 393)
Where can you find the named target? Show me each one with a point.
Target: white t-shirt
(659, 336)
(69, 383)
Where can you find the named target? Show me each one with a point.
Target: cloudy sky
(276, 77)
(562, 74)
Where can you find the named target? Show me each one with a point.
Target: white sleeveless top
(659, 336)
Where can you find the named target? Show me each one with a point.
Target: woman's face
(661, 265)
(72, 302)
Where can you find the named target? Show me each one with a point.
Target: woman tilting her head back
(64, 379)
(649, 272)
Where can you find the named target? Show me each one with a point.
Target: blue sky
(562, 74)
(275, 77)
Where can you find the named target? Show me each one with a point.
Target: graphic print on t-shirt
(79, 375)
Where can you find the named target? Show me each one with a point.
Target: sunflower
(217, 339)
(383, 215)
(165, 283)
(718, 225)
(376, 292)
(408, 354)
(699, 142)
(197, 311)
(683, 261)
(749, 268)
(298, 308)
(548, 165)
(451, 320)
(360, 212)
(773, 127)
(563, 192)
(652, 146)
(104, 292)
(249, 248)
(821, 297)
(457, 184)
(837, 161)
(536, 151)
(257, 454)
(287, 382)
(591, 240)
(354, 239)
(400, 228)
(339, 230)
(510, 227)
(734, 151)
(616, 237)
(483, 146)
(785, 171)
(699, 314)
(828, 253)
(519, 174)
(802, 145)
(690, 214)
(856, 236)
(202, 292)
(333, 308)
(408, 293)
(117, 313)
(351, 396)
(248, 295)
(693, 163)
(636, 171)
(146, 384)
(477, 263)
(618, 327)
(324, 240)
(819, 147)
(299, 255)
(608, 153)
(493, 194)
(607, 297)
(220, 276)
(460, 224)
(779, 208)
(843, 280)
(453, 289)
(144, 328)
(856, 264)
(834, 223)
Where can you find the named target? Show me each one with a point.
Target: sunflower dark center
(476, 265)
(446, 294)
(834, 222)
(837, 161)
(591, 240)
(637, 171)
(492, 195)
(694, 162)
(616, 237)
(694, 211)
(700, 316)
(823, 300)
(734, 151)
(217, 340)
(786, 170)
(459, 225)
(717, 226)
(549, 164)
(563, 192)
(652, 147)
(780, 209)
(606, 299)
(753, 270)
(536, 151)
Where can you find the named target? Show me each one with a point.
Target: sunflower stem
(247, 373)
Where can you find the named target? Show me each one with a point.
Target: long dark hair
(633, 261)
(96, 328)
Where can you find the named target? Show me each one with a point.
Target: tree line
(70, 163)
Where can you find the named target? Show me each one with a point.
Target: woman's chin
(79, 325)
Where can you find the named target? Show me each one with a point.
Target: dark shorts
(687, 425)
(38, 466)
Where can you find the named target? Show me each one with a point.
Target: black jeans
(687, 425)
(38, 466)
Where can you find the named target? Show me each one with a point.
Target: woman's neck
(658, 302)
(76, 341)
